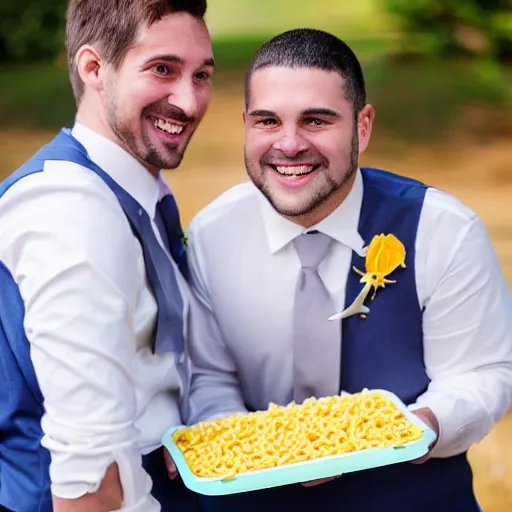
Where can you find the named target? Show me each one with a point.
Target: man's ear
(364, 126)
(90, 67)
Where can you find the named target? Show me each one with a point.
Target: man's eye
(314, 121)
(202, 76)
(162, 69)
(267, 122)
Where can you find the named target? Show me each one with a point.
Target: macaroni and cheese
(294, 433)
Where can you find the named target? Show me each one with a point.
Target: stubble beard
(141, 147)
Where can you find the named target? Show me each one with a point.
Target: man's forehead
(180, 35)
(278, 87)
(294, 74)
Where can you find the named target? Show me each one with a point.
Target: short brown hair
(113, 25)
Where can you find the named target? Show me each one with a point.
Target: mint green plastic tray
(304, 471)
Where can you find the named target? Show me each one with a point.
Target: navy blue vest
(385, 351)
(24, 463)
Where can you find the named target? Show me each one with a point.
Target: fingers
(172, 471)
(313, 483)
(428, 417)
(421, 460)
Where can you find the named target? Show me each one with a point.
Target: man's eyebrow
(171, 59)
(174, 59)
(320, 111)
(262, 113)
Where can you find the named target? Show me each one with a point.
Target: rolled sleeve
(70, 250)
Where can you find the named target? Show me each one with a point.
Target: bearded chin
(141, 147)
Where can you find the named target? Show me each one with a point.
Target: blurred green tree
(480, 28)
(31, 29)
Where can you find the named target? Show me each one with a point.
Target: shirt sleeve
(467, 325)
(215, 389)
(69, 247)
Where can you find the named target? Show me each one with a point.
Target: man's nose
(183, 96)
(290, 143)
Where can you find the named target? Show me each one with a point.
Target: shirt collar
(341, 224)
(122, 167)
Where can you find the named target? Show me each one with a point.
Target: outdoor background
(439, 73)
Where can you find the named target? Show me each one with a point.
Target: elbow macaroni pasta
(294, 433)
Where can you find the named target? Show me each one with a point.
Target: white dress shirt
(89, 318)
(244, 273)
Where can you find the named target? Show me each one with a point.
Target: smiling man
(272, 264)
(94, 303)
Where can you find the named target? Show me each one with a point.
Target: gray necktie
(317, 341)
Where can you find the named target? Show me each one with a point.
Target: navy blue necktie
(163, 282)
(167, 218)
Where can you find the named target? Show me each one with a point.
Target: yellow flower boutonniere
(384, 255)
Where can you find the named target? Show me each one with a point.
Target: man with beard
(274, 261)
(93, 303)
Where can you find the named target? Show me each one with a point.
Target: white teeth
(172, 128)
(295, 170)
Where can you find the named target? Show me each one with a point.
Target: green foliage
(235, 52)
(455, 27)
(235, 18)
(31, 29)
